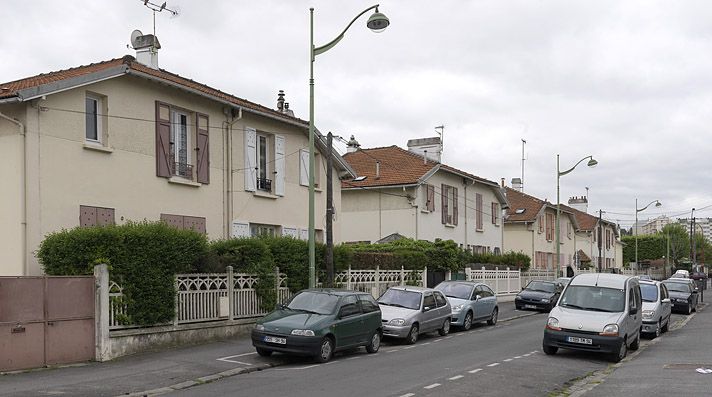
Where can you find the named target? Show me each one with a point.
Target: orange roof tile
(519, 201)
(397, 167)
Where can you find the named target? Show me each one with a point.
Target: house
(411, 193)
(593, 233)
(530, 228)
(124, 140)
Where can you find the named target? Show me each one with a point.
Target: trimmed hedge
(143, 258)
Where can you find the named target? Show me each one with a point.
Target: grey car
(407, 312)
(656, 307)
(470, 301)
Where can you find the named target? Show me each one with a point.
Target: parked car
(563, 281)
(538, 295)
(319, 322)
(683, 294)
(470, 302)
(408, 312)
(597, 312)
(698, 276)
(681, 273)
(656, 307)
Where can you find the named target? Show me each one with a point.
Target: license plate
(274, 339)
(583, 341)
(530, 306)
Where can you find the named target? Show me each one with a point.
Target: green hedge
(143, 258)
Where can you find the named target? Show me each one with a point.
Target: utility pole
(600, 237)
(329, 214)
(692, 236)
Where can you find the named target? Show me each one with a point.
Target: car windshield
(563, 280)
(455, 290)
(649, 291)
(586, 297)
(401, 298)
(541, 286)
(314, 302)
(678, 287)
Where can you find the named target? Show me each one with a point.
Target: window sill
(259, 193)
(480, 230)
(426, 211)
(182, 181)
(316, 188)
(97, 147)
(450, 225)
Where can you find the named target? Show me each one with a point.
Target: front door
(348, 328)
(430, 312)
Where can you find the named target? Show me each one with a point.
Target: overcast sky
(629, 82)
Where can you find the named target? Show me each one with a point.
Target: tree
(679, 241)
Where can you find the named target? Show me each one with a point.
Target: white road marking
(474, 371)
(506, 360)
(410, 347)
(426, 343)
(517, 356)
(408, 395)
(393, 351)
(437, 340)
(228, 358)
(297, 368)
(535, 351)
(456, 377)
(493, 365)
(354, 358)
(448, 337)
(526, 355)
(460, 334)
(434, 385)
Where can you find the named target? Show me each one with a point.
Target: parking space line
(474, 371)
(448, 337)
(506, 360)
(526, 355)
(493, 365)
(228, 358)
(434, 385)
(408, 395)
(426, 343)
(410, 347)
(354, 358)
(456, 377)
(517, 356)
(437, 340)
(297, 368)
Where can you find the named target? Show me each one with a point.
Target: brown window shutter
(431, 198)
(87, 216)
(105, 216)
(443, 198)
(478, 212)
(202, 149)
(194, 223)
(163, 140)
(454, 206)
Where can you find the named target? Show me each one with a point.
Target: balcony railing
(181, 169)
(264, 184)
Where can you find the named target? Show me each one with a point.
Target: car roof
(645, 281)
(464, 282)
(679, 280)
(543, 281)
(606, 280)
(411, 288)
(335, 291)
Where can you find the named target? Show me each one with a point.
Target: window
(449, 204)
(549, 227)
(485, 291)
(264, 182)
(182, 144)
(257, 230)
(304, 168)
(478, 211)
(368, 304)
(495, 214)
(429, 301)
(429, 198)
(184, 222)
(95, 216)
(349, 306)
(94, 115)
(540, 219)
(440, 299)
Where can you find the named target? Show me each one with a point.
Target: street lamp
(657, 204)
(559, 174)
(377, 23)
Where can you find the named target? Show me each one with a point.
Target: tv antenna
(442, 138)
(159, 8)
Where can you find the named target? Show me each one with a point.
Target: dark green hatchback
(319, 322)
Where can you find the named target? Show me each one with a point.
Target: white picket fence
(377, 281)
(502, 282)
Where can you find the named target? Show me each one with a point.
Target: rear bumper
(601, 344)
(396, 331)
(298, 345)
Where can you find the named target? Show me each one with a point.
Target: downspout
(464, 182)
(228, 169)
(24, 189)
(533, 237)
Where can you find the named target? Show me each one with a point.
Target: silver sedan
(407, 312)
(471, 302)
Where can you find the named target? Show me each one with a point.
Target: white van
(598, 312)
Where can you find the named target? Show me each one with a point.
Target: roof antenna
(159, 8)
(442, 142)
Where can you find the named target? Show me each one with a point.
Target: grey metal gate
(46, 321)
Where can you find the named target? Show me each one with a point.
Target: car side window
(368, 304)
(638, 296)
(486, 291)
(349, 306)
(440, 299)
(477, 291)
(429, 301)
(663, 292)
(631, 299)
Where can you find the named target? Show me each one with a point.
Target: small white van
(598, 312)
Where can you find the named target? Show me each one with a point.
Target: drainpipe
(22, 131)
(229, 167)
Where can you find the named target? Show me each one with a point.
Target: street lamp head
(658, 204)
(378, 22)
(592, 162)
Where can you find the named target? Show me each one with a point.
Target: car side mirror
(426, 308)
(279, 306)
(695, 291)
(477, 297)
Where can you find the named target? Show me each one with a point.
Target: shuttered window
(448, 195)
(495, 214)
(478, 212)
(182, 143)
(304, 167)
(279, 164)
(95, 216)
(540, 219)
(202, 149)
(430, 198)
(550, 227)
(445, 208)
(184, 222)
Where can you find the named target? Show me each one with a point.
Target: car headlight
(545, 300)
(610, 330)
(457, 308)
(517, 297)
(259, 327)
(303, 332)
(553, 323)
(648, 314)
(396, 321)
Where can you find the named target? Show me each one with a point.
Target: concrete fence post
(378, 282)
(176, 305)
(277, 283)
(496, 280)
(402, 276)
(102, 346)
(348, 278)
(230, 294)
(482, 274)
(424, 277)
(448, 275)
(508, 279)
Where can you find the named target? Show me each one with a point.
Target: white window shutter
(250, 159)
(279, 165)
(290, 232)
(303, 234)
(304, 167)
(240, 229)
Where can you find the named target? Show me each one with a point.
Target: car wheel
(493, 319)
(467, 323)
(620, 355)
(549, 350)
(263, 352)
(326, 350)
(666, 326)
(375, 343)
(658, 329)
(517, 307)
(445, 329)
(636, 343)
(689, 309)
(412, 335)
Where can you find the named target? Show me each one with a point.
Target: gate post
(102, 343)
(424, 277)
(230, 294)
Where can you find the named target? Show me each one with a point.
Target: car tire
(375, 343)
(263, 352)
(665, 327)
(493, 319)
(549, 350)
(326, 350)
(412, 335)
(467, 322)
(659, 329)
(445, 329)
(517, 307)
(620, 354)
(636, 343)
(689, 309)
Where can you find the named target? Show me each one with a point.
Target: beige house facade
(593, 233)
(412, 195)
(118, 140)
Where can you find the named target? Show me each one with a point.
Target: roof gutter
(23, 193)
(29, 94)
(379, 186)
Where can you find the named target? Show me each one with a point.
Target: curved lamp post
(657, 204)
(377, 23)
(559, 174)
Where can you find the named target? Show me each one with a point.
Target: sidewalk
(176, 368)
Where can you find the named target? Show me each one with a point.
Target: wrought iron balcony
(264, 184)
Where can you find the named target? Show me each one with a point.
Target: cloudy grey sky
(629, 82)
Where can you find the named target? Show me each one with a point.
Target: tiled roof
(12, 89)
(519, 201)
(583, 257)
(586, 222)
(397, 167)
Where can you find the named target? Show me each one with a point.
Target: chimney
(503, 185)
(352, 145)
(280, 101)
(517, 184)
(146, 47)
(579, 203)
(430, 148)
(287, 111)
(378, 169)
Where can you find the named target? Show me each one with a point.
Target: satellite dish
(134, 37)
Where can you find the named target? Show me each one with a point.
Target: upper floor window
(449, 204)
(549, 227)
(264, 180)
(182, 143)
(495, 214)
(94, 110)
(429, 198)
